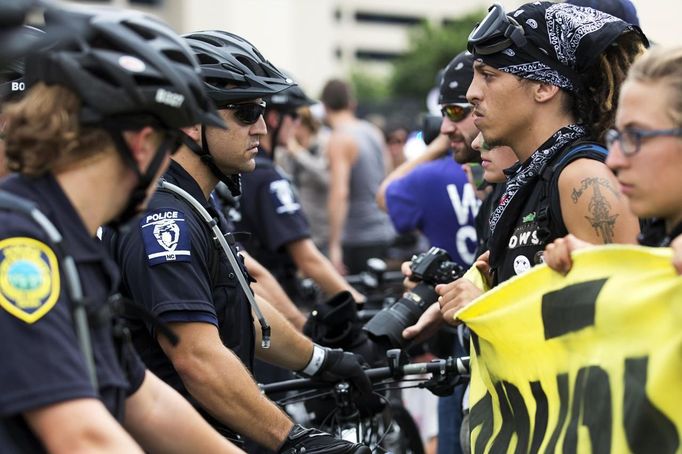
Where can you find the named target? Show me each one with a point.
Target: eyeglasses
(631, 138)
(247, 113)
(456, 112)
(495, 33)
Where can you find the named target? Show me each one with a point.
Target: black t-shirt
(271, 212)
(171, 265)
(42, 363)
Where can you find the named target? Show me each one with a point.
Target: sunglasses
(247, 113)
(631, 138)
(456, 112)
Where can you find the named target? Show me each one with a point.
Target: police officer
(172, 266)
(86, 142)
(271, 211)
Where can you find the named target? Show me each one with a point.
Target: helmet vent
(145, 33)
(205, 59)
(252, 65)
(147, 81)
(207, 40)
(176, 56)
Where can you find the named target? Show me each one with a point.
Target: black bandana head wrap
(456, 79)
(564, 40)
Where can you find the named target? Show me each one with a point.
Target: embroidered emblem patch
(29, 278)
(283, 197)
(166, 236)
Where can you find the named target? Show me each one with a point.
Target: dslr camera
(429, 269)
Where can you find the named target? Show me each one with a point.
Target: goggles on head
(456, 112)
(247, 113)
(496, 33)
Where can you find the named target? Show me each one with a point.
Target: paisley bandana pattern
(567, 25)
(541, 72)
(566, 39)
(530, 171)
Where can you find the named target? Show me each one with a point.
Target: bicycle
(389, 430)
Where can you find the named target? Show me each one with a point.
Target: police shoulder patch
(166, 236)
(283, 197)
(29, 278)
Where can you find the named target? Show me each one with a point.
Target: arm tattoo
(601, 220)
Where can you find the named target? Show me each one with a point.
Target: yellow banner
(587, 363)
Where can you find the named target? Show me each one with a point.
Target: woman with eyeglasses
(645, 153)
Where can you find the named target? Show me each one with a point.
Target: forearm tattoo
(601, 219)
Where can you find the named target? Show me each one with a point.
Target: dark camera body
(429, 269)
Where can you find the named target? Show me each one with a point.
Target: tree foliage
(414, 73)
(431, 48)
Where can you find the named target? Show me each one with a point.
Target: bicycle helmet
(289, 99)
(12, 73)
(234, 70)
(125, 66)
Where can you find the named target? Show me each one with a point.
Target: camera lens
(387, 326)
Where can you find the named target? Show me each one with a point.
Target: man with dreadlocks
(546, 83)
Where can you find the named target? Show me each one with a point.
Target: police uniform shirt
(172, 267)
(42, 363)
(436, 198)
(271, 212)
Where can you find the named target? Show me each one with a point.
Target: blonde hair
(43, 131)
(662, 65)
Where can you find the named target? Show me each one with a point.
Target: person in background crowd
(358, 230)
(270, 209)
(71, 381)
(645, 153)
(431, 192)
(171, 266)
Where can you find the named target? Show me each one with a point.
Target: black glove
(312, 441)
(337, 365)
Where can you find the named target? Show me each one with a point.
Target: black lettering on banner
(541, 416)
(591, 407)
(571, 308)
(514, 419)
(647, 429)
(562, 386)
(482, 415)
(475, 343)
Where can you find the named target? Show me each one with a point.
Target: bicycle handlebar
(458, 365)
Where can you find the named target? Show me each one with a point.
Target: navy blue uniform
(41, 360)
(171, 265)
(271, 212)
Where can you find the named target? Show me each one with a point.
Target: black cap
(456, 79)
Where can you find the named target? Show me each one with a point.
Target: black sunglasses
(247, 113)
(456, 112)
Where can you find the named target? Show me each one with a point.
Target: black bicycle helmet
(290, 99)
(125, 66)
(12, 82)
(234, 70)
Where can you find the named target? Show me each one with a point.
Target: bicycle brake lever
(396, 358)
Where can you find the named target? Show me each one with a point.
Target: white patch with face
(521, 264)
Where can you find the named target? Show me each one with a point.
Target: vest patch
(283, 197)
(166, 236)
(29, 278)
